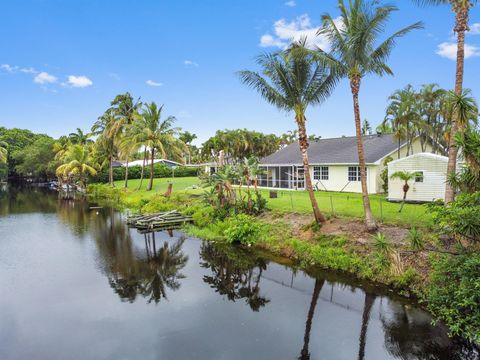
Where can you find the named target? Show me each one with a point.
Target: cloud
(449, 50)
(114, 76)
(79, 81)
(44, 78)
(153, 83)
(291, 3)
(474, 29)
(190, 63)
(16, 68)
(288, 31)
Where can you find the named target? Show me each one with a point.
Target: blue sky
(62, 61)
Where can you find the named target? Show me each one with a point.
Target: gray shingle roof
(335, 151)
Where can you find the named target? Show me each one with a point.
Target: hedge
(134, 172)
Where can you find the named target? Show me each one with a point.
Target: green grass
(344, 204)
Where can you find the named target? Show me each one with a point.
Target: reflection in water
(363, 321)
(234, 273)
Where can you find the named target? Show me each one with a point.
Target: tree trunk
(369, 220)
(302, 137)
(126, 174)
(461, 25)
(143, 169)
(110, 171)
(304, 354)
(367, 308)
(150, 183)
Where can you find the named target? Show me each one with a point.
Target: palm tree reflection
(236, 273)
(305, 354)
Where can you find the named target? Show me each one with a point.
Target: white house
(167, 163)
(428, 185)
(334, 163)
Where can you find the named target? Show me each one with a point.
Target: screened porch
(282, 177)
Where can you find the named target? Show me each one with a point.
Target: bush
(453, 294)
(134, 172)
(461, 219)
(416, 239)
(242, 229)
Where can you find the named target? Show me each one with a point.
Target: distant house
(334, 163)
(167, 163)
(428, 185)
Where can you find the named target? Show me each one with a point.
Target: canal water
(76, 283)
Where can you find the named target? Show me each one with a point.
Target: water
(76, 283)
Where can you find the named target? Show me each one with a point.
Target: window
(320, 172)
(354, 173)
(419, 177)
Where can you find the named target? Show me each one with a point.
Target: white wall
(434, 168)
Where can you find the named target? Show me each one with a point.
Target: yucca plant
(416, 240)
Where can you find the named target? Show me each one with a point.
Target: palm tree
(187, 138)
(355, 54)
(77, 165)
(461, 8)
(292, 81)
(3, 152)
(305, 353)
(106, 140)
(125, 110)
(159, 136)
(79, 137)
(405, 176)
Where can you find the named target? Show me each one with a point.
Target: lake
(77, 283)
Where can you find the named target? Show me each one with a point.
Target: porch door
(300, 177)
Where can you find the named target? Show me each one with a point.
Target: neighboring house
(428, 185)
(334, 163)
(116, 163)
(167, 163)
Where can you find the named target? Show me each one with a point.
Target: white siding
(434, 168)
(338, 179)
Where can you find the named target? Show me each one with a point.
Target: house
(334, 163)
(428, 185)
(167, 163)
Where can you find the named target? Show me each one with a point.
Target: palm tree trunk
(302, 137)
(110, 171)
(367, 308)
(150, 183)
(143, 169)
(369, 220)
(126, 174)
(304, 354)
(461, 25)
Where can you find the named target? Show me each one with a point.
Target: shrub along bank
(449, 286)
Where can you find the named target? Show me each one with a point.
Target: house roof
(341, 150)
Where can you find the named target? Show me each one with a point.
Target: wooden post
(381, 210)
(168, 193)
(331, 205)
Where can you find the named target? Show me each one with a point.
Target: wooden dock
(159, 221)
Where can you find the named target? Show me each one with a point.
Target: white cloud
(16, 68)
(301, 27)
(8, 68)
(153, 83)
(449, 50)
(190, 63)
(79, 81)
(474, 29)
(44, 78)
(291, 3)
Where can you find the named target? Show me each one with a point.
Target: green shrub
(382, 245)
(453, 294)
(416, 240)
(242, 229)
(203, 216)
(134, 172)
(158, 203)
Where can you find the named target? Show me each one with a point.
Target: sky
(63, 61)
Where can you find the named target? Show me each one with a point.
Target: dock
(158, 221)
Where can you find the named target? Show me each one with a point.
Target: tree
(3, 152)
(77, 165)
(159, 135)
(125, 109)
(37, 160)
(366, 128)
(80, 138)
(106, 141)
(292, 81)
(461, 8)
(406, 177)
(187, 138)
(357, 53)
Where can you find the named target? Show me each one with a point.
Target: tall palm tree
(357, 52)
(106, 139)
(125, 109)
(77, 165)
(187, 137)
(461, 8)
(159, 136)
(79, 137)
(3, 152)
(292, 81)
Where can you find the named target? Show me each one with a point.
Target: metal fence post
(381, 210)
(291, 200)
(331, 204)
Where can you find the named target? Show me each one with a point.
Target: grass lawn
(344, 204)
